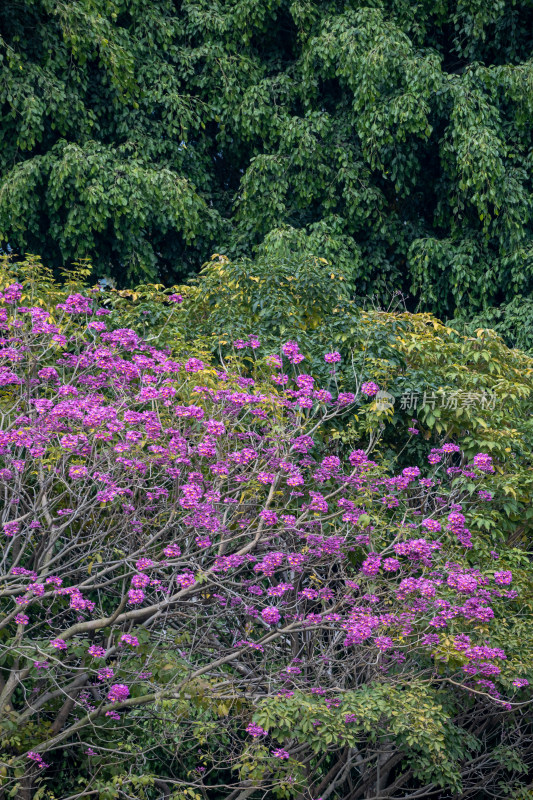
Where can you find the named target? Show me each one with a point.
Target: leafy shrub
(512, 321)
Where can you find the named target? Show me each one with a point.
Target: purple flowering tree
(178, 538)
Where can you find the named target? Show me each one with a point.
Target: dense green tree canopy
(390, 137)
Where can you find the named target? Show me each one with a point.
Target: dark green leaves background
(392, 138)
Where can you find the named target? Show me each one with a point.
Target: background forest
(266, 478)
(393, 138)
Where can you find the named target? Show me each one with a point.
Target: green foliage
(512, 321)
(392, 139)
(274, 296)
(413, 719)
(94, 137)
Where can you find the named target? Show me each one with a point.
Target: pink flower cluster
(118, 692)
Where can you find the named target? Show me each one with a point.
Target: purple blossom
(255, 730)
(33, 756)
(291, 351)
(271, 615)
(105, 674)
(127, 638)
(483, 462)
(135, 597)
(118, 692)
(369, 388)
(432, 525)
(185, 580)
(503, 578)
(11, 528)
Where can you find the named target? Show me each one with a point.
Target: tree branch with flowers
(187, 554)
